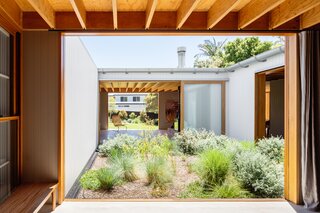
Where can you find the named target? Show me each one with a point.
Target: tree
(211, 50)
(242, 49)
(152, 102)
(221, 54)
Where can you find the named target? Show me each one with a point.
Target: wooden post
(292, 121)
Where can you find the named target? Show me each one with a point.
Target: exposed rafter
(255, 9)
(289, 10)
(80, 11)
(219, 10)
(142, 87)
(151, 7)
(185, 10)
(11, 9)
(310, 18)
(45, 10)
(112, 87)
(115, 14)
(127, 87)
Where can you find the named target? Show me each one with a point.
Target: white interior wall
(240, 98)
(81, 108)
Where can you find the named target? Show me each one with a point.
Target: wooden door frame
(260, 101)
(292, 109)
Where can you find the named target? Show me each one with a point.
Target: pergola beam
(12, 11)
(45, 10)
(219, 10)
(127, 87)
(310, 18)
(255, 9)
(185, 10)
(151, 7)
(115, 14)
(112, 87)
(80, 11)
(289, 10)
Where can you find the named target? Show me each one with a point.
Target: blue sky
(145, 51)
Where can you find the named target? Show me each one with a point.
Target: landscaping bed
(192, 164)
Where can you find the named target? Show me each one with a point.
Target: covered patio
(35, 92)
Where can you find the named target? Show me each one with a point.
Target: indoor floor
(176, 207)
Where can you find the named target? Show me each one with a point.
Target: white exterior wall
(240, 98)
(81, 108)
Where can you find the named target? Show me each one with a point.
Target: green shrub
(188, 139)
(159, 173)
(108, 178)
(150, 122)
(122, 142)
(123, 114)
(132, 115)
(247, 145)
(89, 180)
(213, 167)
(125, 165)
(272, 147)
(221, 142)
(136, 120)
(260, 175)
(231, 190)
(227, 190)
(143, 116)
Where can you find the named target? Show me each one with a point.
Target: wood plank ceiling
(152, 86)
(162, 15)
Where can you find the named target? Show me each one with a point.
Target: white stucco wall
(81, 108)
(240, 98)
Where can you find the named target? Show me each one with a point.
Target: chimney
(181, 57)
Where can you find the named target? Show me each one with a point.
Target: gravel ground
(139, 188)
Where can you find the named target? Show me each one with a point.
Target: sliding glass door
(203, 106)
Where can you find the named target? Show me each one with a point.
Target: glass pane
(4, 74)
(202, 106)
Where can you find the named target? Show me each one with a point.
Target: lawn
(192, 164)
(133, 126)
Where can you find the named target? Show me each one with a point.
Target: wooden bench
(30, 198)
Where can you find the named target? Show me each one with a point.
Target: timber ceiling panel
(152, 86)
(60, 5)
(162, 15)
(168, 5)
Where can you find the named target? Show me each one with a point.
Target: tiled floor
(175, 207)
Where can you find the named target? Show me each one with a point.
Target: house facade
(130, 102)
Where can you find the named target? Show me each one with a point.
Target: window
(5, 75)
(124, 99)
(136, 99)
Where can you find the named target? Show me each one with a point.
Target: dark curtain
(310, 118)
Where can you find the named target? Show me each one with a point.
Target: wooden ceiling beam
(310, 18)
(219, 10)
(12, 11)
(143, 85)
(45, 10)
(256, 9)
(112, 87)
(80, 11)
(151, 8)
(290, 9)
(115, 14)
(185, 10)
(127, 87)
